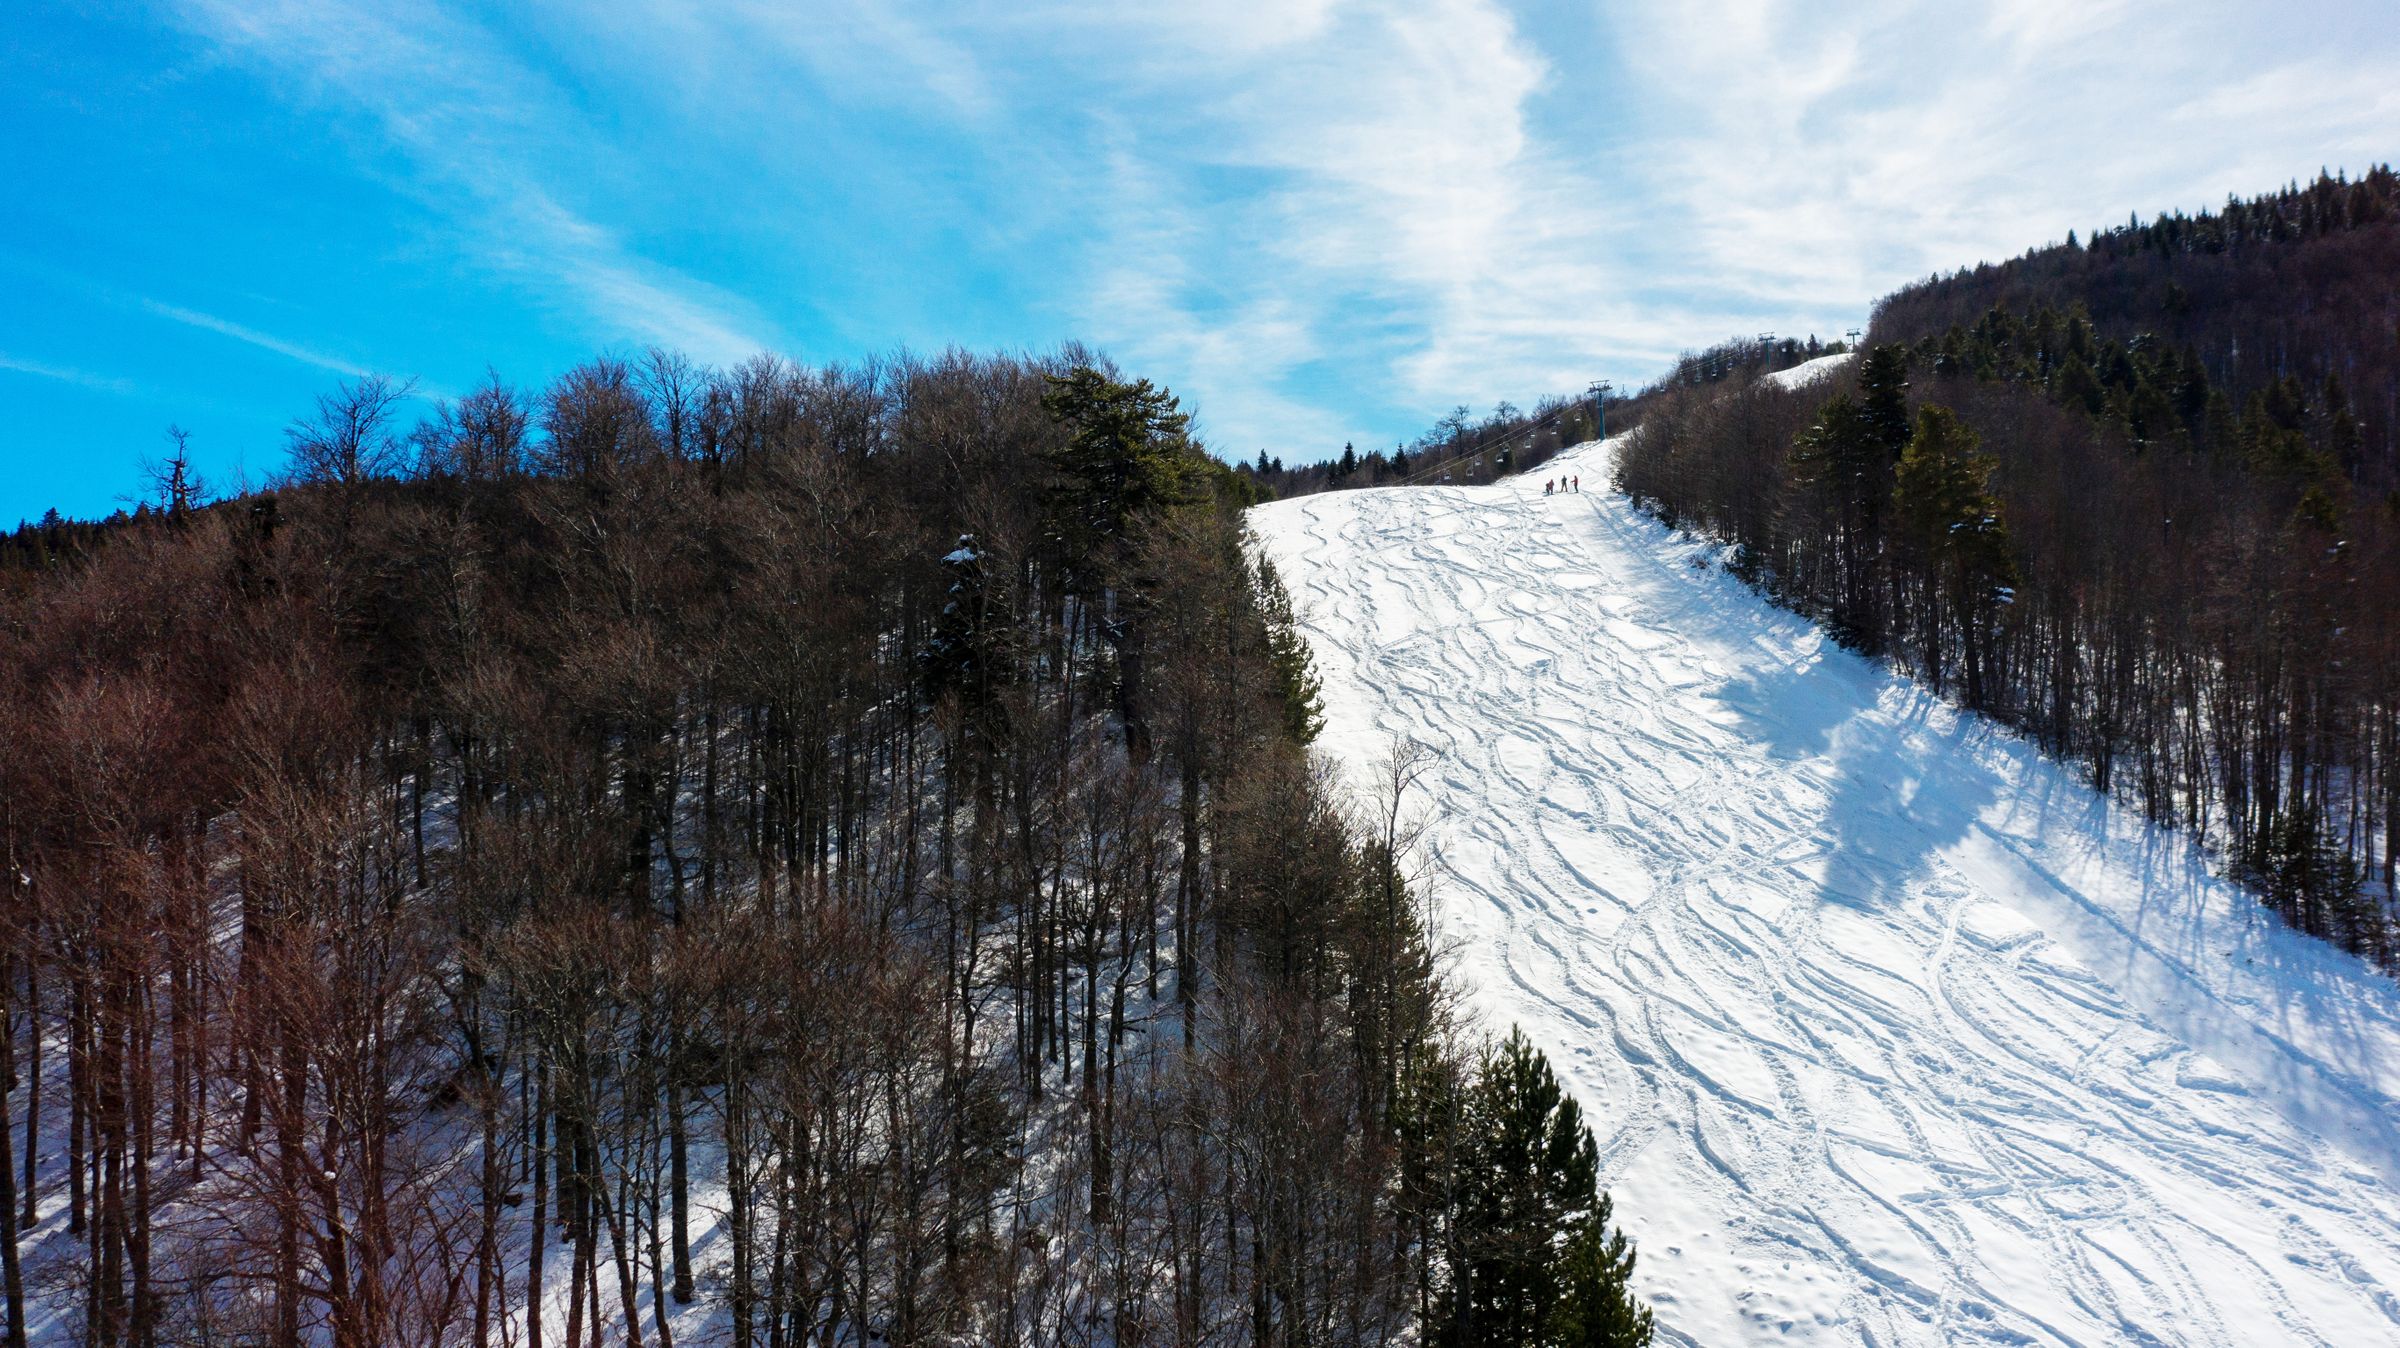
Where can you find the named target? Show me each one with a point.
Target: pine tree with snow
(967, 656)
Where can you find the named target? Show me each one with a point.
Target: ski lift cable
(1482, 449)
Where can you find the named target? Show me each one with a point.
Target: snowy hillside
(1810, 372)
(1892, 1032)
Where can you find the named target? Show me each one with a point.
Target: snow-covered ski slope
(1891, 1031)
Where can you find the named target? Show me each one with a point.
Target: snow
(1809, 372)
(1892, 1032)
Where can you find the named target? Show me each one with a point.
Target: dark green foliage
(2076, 387)
(1843, 466)
(1126, 454)
(1835, 458)
(971, 655)
(1127, 460)
(1297, 689)
(1535, 1262)
(1230, 487)
(1594, 1309)
(1883, 400)
(1955, 543)
(2298, 284)
(2301, 873)
(2300, 450)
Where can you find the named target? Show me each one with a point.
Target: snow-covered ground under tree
(1892, 1031)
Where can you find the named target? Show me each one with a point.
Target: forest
(2131, 497)
(772, 856)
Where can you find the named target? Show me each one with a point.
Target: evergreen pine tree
(1126, 453)
(1883, 399)
(1594, 1307)
(967, 655)
(2075, 386)
(1842, 463)
(1297, 689)
(1950, 523)
(1534, 1258)
(2341, 438)
(1127, 456)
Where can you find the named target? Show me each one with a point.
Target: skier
(1579, 484)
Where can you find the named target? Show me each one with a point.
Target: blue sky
(1319, 221)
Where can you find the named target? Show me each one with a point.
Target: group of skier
(1574, 483)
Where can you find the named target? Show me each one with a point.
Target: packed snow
(1809, 372)
(1892, 1031)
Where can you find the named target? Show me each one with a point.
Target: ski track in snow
(1891, 1031)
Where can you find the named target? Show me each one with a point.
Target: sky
(1318, 221)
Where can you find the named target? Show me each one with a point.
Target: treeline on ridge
(2298, 289)
(1459, 449)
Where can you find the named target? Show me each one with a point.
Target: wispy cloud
(252, 336)
(65, 374)
(486, 141)
(1319, 215)
(1324, 220)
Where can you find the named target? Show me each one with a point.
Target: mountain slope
(2299, 284)
(1892, 1031)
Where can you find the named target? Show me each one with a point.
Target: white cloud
(1820, 156)
(1392, 214)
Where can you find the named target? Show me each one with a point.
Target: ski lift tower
(1600, 392)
